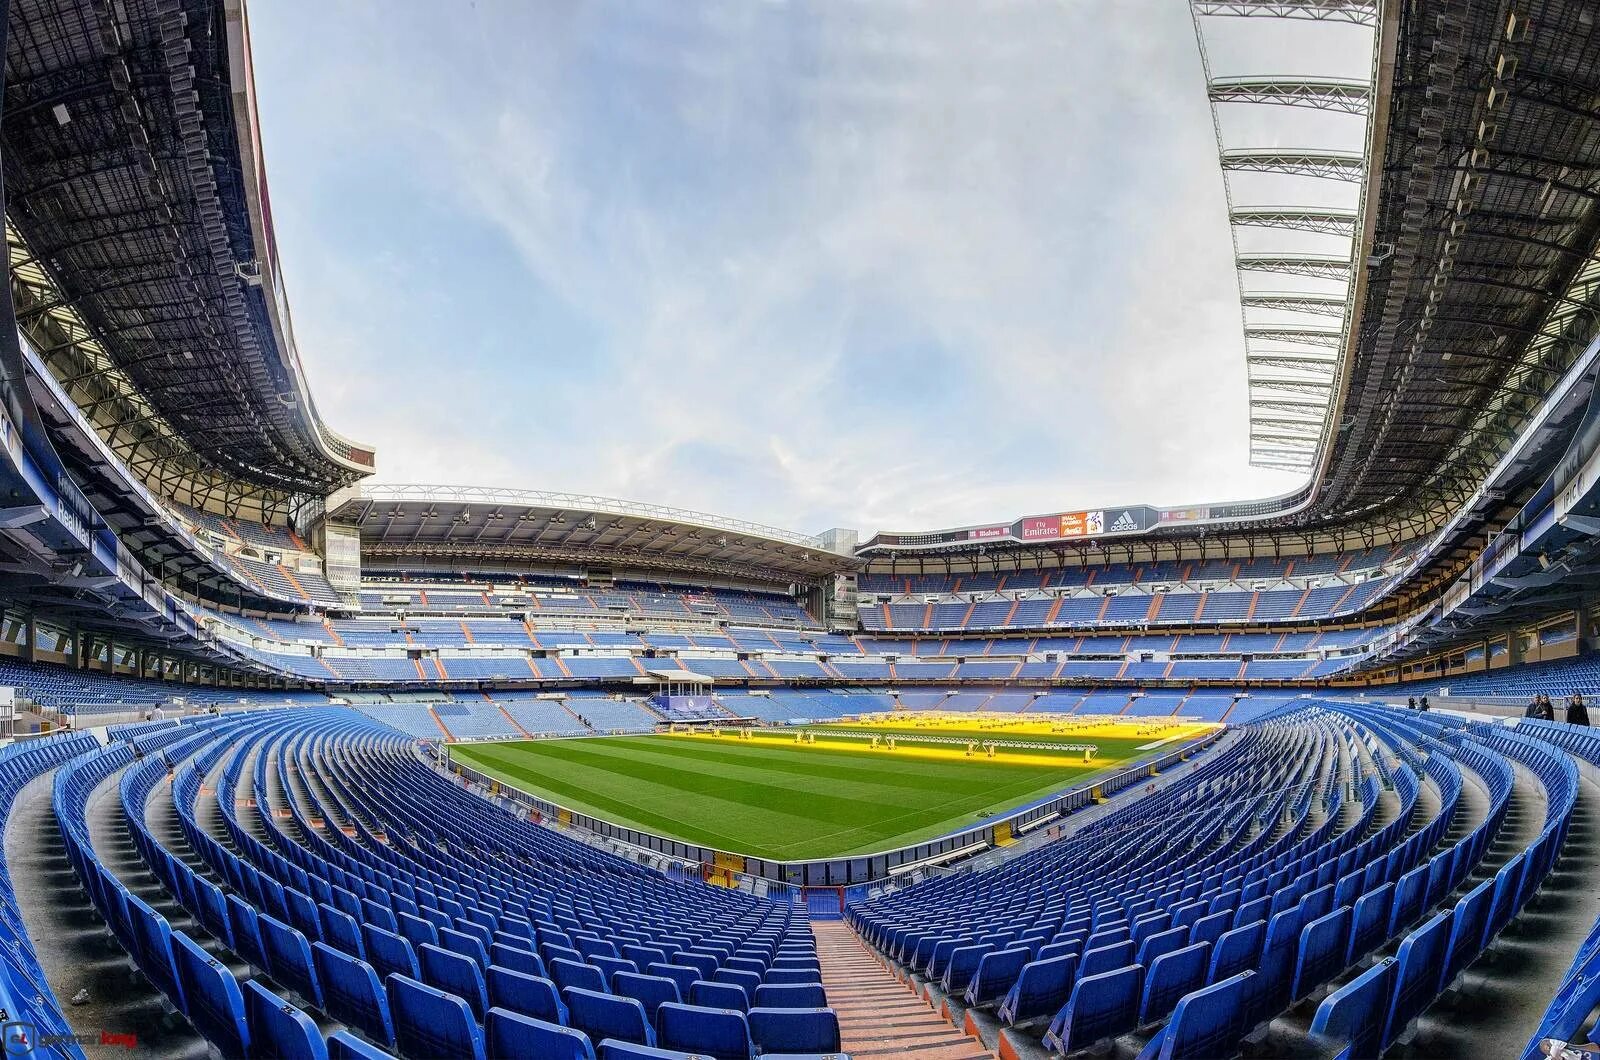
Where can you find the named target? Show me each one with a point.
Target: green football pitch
(781, 801)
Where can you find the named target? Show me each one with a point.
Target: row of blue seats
(1108, 974)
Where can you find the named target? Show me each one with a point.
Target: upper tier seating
(1132, 608)
(575, 600)
(1166, 572)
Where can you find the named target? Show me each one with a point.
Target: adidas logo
(1125, 522)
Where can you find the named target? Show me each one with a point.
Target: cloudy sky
(886, 265)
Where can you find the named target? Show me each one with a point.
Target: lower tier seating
(305, 883)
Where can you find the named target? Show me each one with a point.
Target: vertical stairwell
(880, 1016)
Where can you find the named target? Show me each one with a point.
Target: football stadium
(298, 759)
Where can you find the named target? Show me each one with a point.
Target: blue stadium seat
(794, 1030)
(681, 974)
(565, 973)
(1041, 990)
(526, 995)
(746, 981)
(1352, 1018)
(603, 1016)
(1210, 1021)
(1171, 976)
(278, 1030)
(430, 1022)
(1236, 951)
(718, 995)
(718, 1033)
(242, 922)
(1101, 1006)
(289, 958)
(997, 973)
(1421, 960)
(455, 974)
(1369, 923)
(512, 1034)
(517, 958)
(213, 1002)
(1323, 944)
(389, 953)
(353, 993)
(962, 966)
(1106, 959)
(798, 995)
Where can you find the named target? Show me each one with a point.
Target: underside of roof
(1481, 277)
(135, 191)
(463, 526)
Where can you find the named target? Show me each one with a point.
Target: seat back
(455, 974)
(1106, 958)
(1041, 990)
(1210, 1021)
(795, 995)
(278, 1029)
(526, 995)
(430, 1022)
(718, 1033)
(389, 953)
(567, 973)
(1101, 1006)
(213, 1001)
(513, 1034)
(1323, 945)
(1421, 958)
(352, 992)
(794, 1030)
(603, 1016)
(718, 995)
(1236, 951)
(289, 958)
(1353, 1015)
(1171, 976)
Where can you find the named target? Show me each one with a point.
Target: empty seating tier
(305, 882)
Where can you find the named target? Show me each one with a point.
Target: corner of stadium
(298, 764)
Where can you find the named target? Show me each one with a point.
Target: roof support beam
(1360, 12)
(1322, 305)
(1336, 94)
(1316, 266)
(1297, 219)
(1332, 339)
(1306, 162)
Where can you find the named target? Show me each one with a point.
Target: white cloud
(846, 264)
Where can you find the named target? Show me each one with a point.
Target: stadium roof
(1479, 286)
(136, 194)
(1475, 289)
(467, 525)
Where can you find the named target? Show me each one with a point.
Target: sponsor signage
(1185, 515)
(1081, 524)
(985, 533)
(1040, 528)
